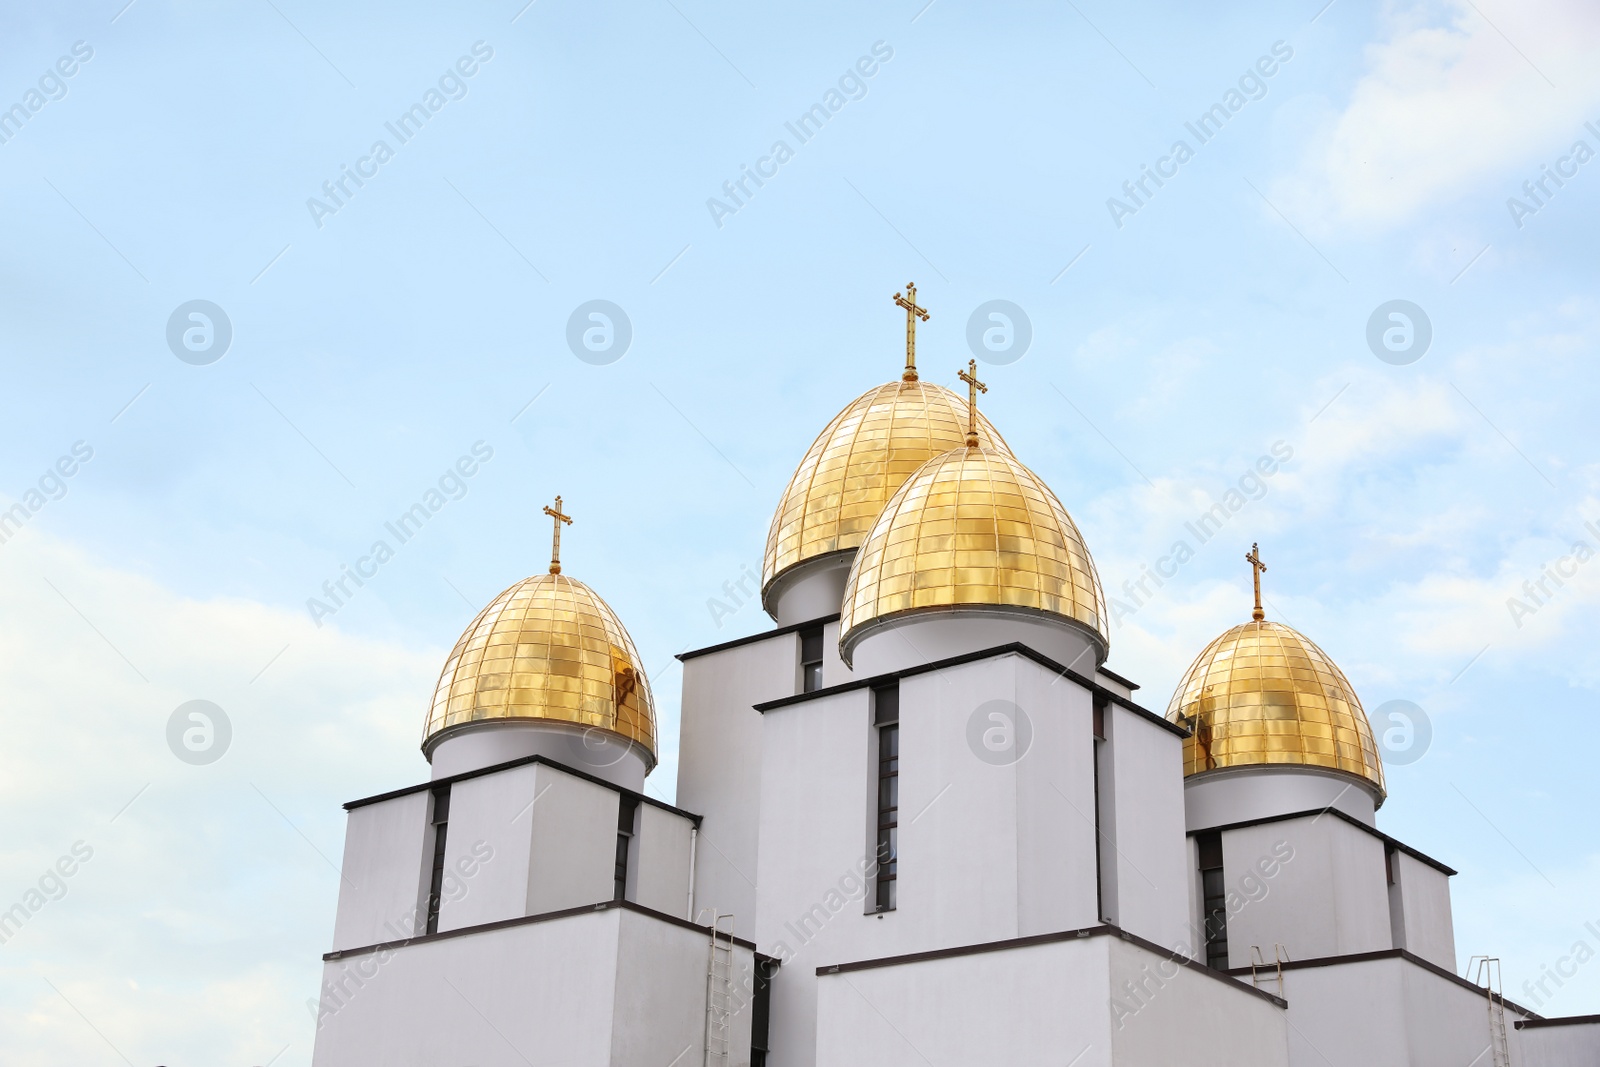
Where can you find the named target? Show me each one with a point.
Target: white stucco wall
(1120, 688)
(1387, 1013)
(589, 990)
(1220, 798)
(719, 764)
(1571, 1045)
(1181, 1016)
(987, 852)
(546, 989)
(383, 883)
(812, 817)
(660, 855)
(487, 848)
(490, 743)
(1424, 893)
(572, 859)
(813, 590)
(1043, 1004)
(919, 639)
(1048, 794)
(1329, 899)
(1146, 822)
(661, 996)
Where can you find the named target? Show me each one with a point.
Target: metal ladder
(719, 992)
(1487, 975)
(1280, 956)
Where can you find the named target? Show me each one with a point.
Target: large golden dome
(856, 464)
(973, 528)
(547, 649)
(1263, 694)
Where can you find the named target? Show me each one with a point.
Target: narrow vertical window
(1101, 839)
(761, 1011)
(1214, 900)
(811, 660)
(886, 719)
(441, 823)
(1397, 900)
(626, 808)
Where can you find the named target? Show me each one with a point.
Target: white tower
(529, 903)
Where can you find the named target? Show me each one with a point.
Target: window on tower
(441, 823)
(886, 720)
(1102, 839)
(761, 1011)
(811, 660)
(1214, 905)
(626, 809)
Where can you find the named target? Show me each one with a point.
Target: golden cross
(913, 313)
(555, 549)
(974, 387)
(1256, 567)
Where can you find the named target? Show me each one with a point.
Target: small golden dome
(973, 528)
(1263, 694)
(549, 650)
(856, 464)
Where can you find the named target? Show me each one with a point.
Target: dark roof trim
(1119, 679)
(1351, 819)
(526, 920)
(1564, 1020)
(1013, 648)
(753, 638)
(1392, 954)
(1106, 930)
(521, 762)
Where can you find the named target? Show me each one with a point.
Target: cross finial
(974, 387)
(1256, 567)
(913, 313)
(555, 548)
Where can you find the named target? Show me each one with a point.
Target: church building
(918, 821)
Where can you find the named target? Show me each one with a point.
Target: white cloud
(1388, 447)
(194, 933)
(1449, 103)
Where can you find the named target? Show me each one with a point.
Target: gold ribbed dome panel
(856, 464)
(974, 527)
(1264, 694)
(547, 649)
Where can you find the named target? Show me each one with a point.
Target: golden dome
(973, 528)
(1263, 694)
(547, 649)
(856, 464)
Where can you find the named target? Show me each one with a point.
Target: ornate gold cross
(974, 387)
(1256, 567)
(913, 313)
(555, 548)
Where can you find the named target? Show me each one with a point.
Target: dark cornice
(753, 638)
(1351, 819)
(1563, 1020)
(1106, 930)
(522, 762)
(1013, 648)
(527, 920)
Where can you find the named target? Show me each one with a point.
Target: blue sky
(370, 352)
